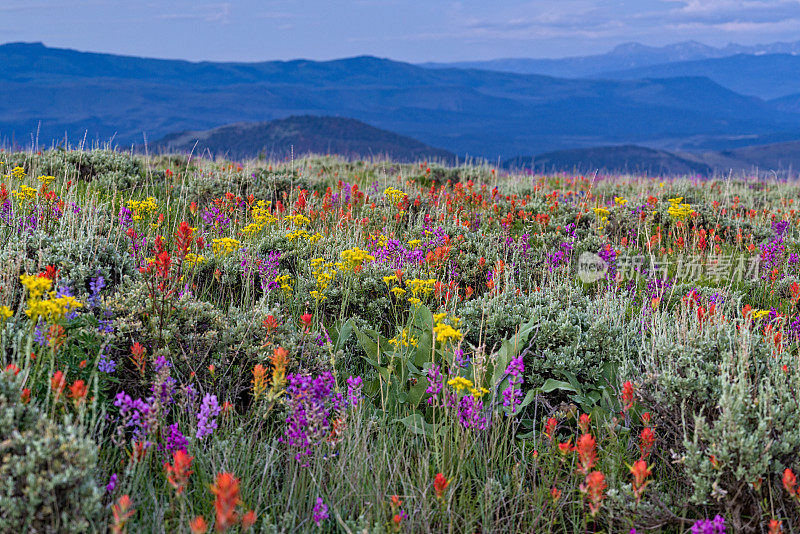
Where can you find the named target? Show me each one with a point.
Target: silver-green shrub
(46, 470)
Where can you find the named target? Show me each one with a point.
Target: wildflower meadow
(324, 345)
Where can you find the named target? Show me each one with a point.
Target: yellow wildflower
(445, 333)
(354, 258)
(478, 392)
(224, 246)
(394, 195)
(403, 339)
(458, 383)
(36, 285)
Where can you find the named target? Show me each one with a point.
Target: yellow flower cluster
(678, 210)
(619, 201)
(193, 259)
(419, 287)
(301, 233)
(46, 180)
(298, 220)
(140, 208)
(25, 193)
(478, 392)
(261, 217)
(394, 195)
(354, 258)
(403, 339)
(458, 383)
(224, 246)
(758, 314)
(18, 172)
(51, 309)
(446, 332)
(5, 313)
(324, 272)
(379, 240)
(284, 282)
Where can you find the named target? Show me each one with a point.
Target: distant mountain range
(298, 136)
(624, 56)
(765, 76)
(56, 94)
(783, 157)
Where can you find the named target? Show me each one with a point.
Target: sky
(405, 30)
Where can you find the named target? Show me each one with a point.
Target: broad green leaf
(551, 385)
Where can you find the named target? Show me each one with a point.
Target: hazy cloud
(202, 13)
(413, 30)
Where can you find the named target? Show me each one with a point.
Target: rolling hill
(765, 76)
(298, 136)
(615, 159)
(781, 158)
(624, 56)
(58, 94)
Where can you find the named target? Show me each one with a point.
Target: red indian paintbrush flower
(648, 437)
(183, 239)
(57, 383)
(178, 472)
(594, 487)
(137, 356)
(440, 484)
(198, 525)
(790, 483)
(122, 510)
(584, 422)
(77, 391)
(550, 427)
(226, 498)
(587, 452)
(640, 472)
(627, 396)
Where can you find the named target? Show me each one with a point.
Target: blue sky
(409, 30)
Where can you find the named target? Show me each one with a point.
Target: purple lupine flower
(160, 363)
(105, 326)
(512, 395)
(106, 364)
(39, 335)
(96, 285)
(470, 413)
(320, 512)
(268, 270)
(125, 217)
(134, 413)
(207, 416)
(609, 255)
(311, 407)
(174, 440)
(709, 526)
(459, 359)
(354, 384)
(436, 382)
(112, 483)
(779, 227)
